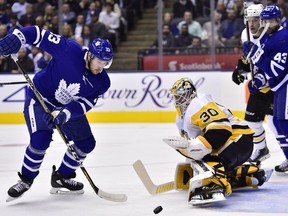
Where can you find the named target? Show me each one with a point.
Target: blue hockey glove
(57, 117)
(254, 86)
(247, 46)
(48, 119)
(10, 44)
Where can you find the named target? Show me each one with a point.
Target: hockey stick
(203, 169)
(146, 180)
(248, 39)
(12, 83)
(100, 193)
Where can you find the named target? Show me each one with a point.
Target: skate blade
(64, 191)
(216, 198)
(282, 173)
(268, 174)
(9, 199)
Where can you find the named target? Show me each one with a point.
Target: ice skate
(18, 190)
(282, 169)
(262, 176)
(260, 155)
(66, 185)
(206, 194)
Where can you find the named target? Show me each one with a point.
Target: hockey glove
(254, 86)
(195, 149)
(238, 75)
(247, 46)
(57, 117)
(9, 45)
(48, 119)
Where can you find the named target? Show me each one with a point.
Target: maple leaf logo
(65, 94)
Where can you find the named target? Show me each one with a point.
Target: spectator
(230, 29)
(83, 5)
(3, 31)
(194, 27)
(67, 31)
(19, 8)
(53, 25)
(79, 40)
(116, 8)
(184, 39)
(93, 8)
(36, 54)
(39, 21)
(48, 15)
(25, 61)
(220, 7)
(68, 16)
(168, 41)
(98, 29)
(28, 19)
(180, 6)
(40, 7)
(197, 46)
(112, 23)
(4, 19)
(207, 30)
(78, 27)
(87, 35)
(168, 19)
(13, 23)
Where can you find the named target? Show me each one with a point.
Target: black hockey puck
(157, 209)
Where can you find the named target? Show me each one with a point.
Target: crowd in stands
(81, 20)
(188, 25)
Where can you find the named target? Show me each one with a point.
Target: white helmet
(254, 10)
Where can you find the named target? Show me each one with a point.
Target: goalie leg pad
(183, 174)
(213, 188)
(249, 176)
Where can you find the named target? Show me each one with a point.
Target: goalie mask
(102, 50)
(183, 91)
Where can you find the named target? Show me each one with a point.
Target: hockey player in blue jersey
(271, 57)
(70, 85)
(260, 102)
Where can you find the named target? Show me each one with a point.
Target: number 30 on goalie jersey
(214, 122)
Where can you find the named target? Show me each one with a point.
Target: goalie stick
(203, 169)
(100, 193)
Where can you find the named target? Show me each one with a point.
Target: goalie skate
(66, 185)
(207, 195)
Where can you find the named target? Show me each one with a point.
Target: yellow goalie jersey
(212, 121)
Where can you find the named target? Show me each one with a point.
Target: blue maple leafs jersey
(274, 58)
(65, 81)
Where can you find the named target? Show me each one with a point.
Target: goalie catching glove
(195, 149)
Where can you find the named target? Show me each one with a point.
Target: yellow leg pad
(183, 174)
(244, 175)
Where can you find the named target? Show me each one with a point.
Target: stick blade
(146, 180)
(112, 197)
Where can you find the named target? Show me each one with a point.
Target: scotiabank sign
(192, 62)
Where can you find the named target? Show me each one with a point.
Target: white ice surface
(110, 167)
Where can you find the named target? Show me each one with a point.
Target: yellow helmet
(183, 91)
